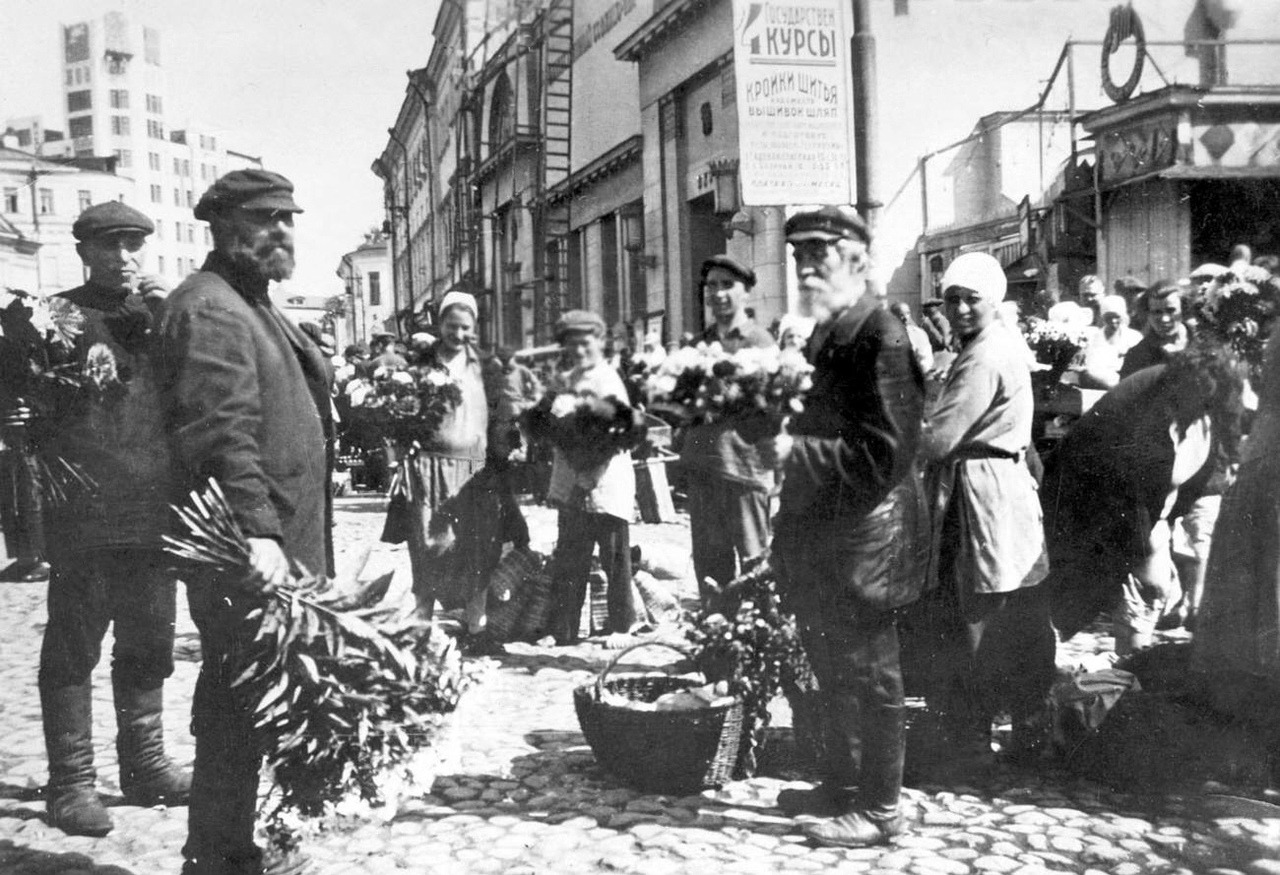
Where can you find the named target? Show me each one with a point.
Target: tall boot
(147, 775)
(71, 800)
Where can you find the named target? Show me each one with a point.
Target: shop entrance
(1226, 212)
(706, 238)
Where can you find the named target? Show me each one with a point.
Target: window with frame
(186, 167)
(81, 126)
(154, 104)
(191, 198)
(124, 158)
(177, 197)
(177, 231)
(153, 160)
(156, 195)
(502, 115)
(120, 125)
(375, 288)
(11, 200)
(119, 98)
(46, 201)
(155, 130)
(84, 199)
(79, 101)
(191, 231)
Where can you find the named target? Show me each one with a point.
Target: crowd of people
(912, 523)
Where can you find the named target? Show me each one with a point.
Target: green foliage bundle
(752, 643)
(337, 701)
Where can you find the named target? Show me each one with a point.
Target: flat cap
(732, 265)
(579, 320)
(828, 223)
(247, 190)
(111, 217)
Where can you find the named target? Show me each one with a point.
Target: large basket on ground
(673, 752)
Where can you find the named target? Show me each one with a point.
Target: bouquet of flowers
(339, 703)
(1237, 307)
(753, 644)
(1055, 344)
(587, 428)
(706, 384)
(409, 402)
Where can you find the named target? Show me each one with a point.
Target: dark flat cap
(932, 302)
(247, 190)
(579, 320)
(111, 217)
(735, 267)
(828, 223)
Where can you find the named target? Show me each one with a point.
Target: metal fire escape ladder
(554, 206)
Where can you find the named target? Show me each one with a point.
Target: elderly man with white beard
(850, 538)
(987, 626)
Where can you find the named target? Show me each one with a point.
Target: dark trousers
(131, 588)
(224, 781)
(985, 652)
(728, 523)
(21, 507)
(580, 534)
(853, 649)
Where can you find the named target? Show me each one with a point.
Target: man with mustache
(108, 565)
(246, 403)
(850, 539)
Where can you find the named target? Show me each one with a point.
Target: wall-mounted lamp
(741, 222)
(724, 178)
(632, 222)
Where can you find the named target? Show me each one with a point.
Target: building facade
(115, 104)
(41, 199)
(368, 305)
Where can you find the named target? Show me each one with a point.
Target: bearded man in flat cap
(247, 404)
(987, 631)
(850, 539)
(108, 567)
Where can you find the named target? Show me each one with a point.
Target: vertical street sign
(791, 64)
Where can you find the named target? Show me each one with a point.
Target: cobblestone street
(518, 790)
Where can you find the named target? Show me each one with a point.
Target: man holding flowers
(850, 538)
(596, 500)
(104, 541)
(246, 403)
(728, 486)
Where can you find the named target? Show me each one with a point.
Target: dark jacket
(246, 403)
(116, 440)
(851, 483)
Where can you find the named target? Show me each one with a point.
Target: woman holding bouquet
(447, 456)
(596, 499)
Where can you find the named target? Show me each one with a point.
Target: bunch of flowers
(1237, 307)
(587, 428)
(409, 402)
(751, 643)
(1054, 344)
(340, 704)
(706, 384)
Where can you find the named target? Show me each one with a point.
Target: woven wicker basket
(673, 752)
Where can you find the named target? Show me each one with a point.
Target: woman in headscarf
(986, 624)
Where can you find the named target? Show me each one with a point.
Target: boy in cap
(596, 505)
(246, 402)
(988, 633)
(850, 538)
(108, 563)
(728, 485)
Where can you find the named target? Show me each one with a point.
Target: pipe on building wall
(389, 207)
(431, 179)
(865, 115)
(408, 249)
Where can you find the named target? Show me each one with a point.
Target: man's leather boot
(147, 775)
(856, 829)
(70, 797)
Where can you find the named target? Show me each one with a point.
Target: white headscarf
(979, 272)
(465, 300)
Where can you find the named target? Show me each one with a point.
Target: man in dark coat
(850, 540)
(108, 563)
(247, 404)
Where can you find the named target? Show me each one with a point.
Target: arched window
(502, 113)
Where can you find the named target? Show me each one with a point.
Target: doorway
(706, 238)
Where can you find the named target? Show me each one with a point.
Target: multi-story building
(115, 105)
(368, 283)
(41, 198)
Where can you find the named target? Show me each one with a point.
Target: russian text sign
(791, 63)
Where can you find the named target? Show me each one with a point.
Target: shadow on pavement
(18, 860)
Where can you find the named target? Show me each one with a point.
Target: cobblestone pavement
(518, 791)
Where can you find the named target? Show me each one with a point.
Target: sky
(310, 85)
